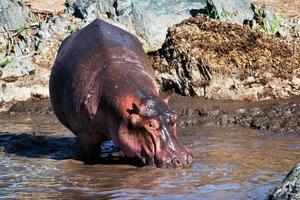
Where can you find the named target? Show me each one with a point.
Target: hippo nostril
(176, 162)
(189, 159)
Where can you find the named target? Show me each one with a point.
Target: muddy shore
(272, 115)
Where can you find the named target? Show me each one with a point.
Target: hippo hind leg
(89, 144)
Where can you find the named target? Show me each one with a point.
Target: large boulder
(149, 20)
(289, 188)
(13, 14)
(220, 60)
(235, 11)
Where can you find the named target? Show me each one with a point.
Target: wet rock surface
(277, 118)
(220, 60)
(274, 116)
(289, 188)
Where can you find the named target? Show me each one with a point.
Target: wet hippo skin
(102, 87)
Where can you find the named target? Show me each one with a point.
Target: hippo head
(148, 135)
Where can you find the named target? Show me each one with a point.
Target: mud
(273, 115)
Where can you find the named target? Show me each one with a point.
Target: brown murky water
(229, 163)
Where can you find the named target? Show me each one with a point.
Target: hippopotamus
(102, 87)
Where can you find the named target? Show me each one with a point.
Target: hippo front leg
(89, 144)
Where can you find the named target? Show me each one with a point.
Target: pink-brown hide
(102, 87)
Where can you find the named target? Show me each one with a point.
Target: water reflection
(229, 163)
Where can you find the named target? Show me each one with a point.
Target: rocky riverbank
(280, 116)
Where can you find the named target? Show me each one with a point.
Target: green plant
(4, 62)
(224, 14)
(146, 49)
(34, 21)
(271, 27)
(61, 37)
(21, 29)
(74, 27)
(213, 13)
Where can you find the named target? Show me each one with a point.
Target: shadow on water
(33, 145)
(38, 146)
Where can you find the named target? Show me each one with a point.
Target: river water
(37, 161)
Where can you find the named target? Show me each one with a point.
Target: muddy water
(229, 163)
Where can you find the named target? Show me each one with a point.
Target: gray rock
(145, 18)
(22, 88)
(290, 28)
(17, 50)
(19, 67)
(283, 32)
(289, 188)
(3, 44)
(43, 33)
(149, 20)
(20, 48)
(13, 14)
(269, 17)
(236, 11)
(58, 25)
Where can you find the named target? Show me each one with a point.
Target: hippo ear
(135, 109)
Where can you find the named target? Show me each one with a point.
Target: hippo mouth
(163, 158)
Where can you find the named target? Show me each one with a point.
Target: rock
(58, 25)
(19, 67)
(293, 27)
(24, 88)
(147, 19)
(220, 60)
(236, 11)
(17, 50)
(43, 32)
(3, 44)
(13, 14)
(42, 6)
(269, 17)
(289, 188)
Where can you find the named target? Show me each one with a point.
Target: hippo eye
(152, 124)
